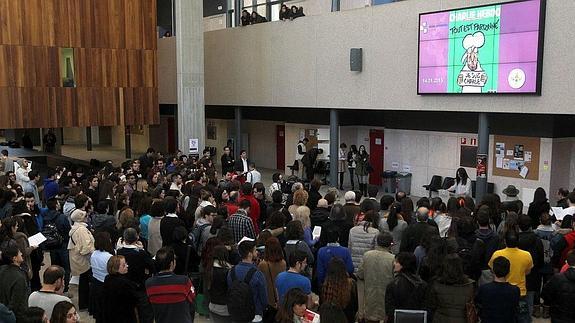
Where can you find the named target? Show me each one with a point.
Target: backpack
(241, 304)
(196, 235)
(465, 252)
(53, 237)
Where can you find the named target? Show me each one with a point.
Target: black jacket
(530, 242)
(314, 197)
(140, 263)
(413, 235)
(120, 299)
(559, 293)
(218, 290)
(341, 226)
(167, 226)
(13, 290)
(535, 211)
(227, 164)
(319, 216)
(406, 292)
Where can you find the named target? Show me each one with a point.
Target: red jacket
(570, 240)
(254, 209)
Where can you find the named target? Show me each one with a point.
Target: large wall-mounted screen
(488, 49)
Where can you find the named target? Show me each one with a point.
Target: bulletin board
(511, 154)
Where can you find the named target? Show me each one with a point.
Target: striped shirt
(172, 297)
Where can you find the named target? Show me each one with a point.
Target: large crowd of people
(158, 239)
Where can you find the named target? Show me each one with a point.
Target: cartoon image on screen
(472, 77)
(493, 48)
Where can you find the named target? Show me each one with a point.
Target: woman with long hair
(99, 263)
(407, 291)
(362, 169)
(157, 212)
(362, 238)
(293, 308)
(64, 312)
(271, 266)
(217, 284)
(339, 289)
(450, 292)
(462, 185)
(539, 205)
(351, 164)
(395, 225)
(302, 214)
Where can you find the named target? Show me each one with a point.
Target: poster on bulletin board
(516, 157)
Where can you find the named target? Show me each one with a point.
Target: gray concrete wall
(305, 62)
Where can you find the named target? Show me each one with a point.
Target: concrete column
(482, 149)
(335, 5)
(89, 138)
(128, 142)
(190, 72)
(238, 142)
(333, 146)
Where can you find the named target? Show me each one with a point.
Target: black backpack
(53, 237)
(240, 297)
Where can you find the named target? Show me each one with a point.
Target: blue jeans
(525, 308)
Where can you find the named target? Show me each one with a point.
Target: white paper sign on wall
(194, 144)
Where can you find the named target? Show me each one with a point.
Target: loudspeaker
(356, 59)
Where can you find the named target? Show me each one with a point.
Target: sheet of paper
(316, 232)
(36, 239)
(499, 149)
(311, 317)
(505, 164)
(509, 152)
(524, 171)
(499, 162)
(527, 156)
(558, 212)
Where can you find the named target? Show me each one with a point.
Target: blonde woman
(302, 214)
(300, 198)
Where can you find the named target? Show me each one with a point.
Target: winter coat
(530, 242)
(26, 249)
(361, 164)
(319, 216)
(447, 302)
(406, 292)
(376, 270)
(361, 241)
(341, 226)
(80, 246)
(559, 293)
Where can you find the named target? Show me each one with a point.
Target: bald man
(416, 232)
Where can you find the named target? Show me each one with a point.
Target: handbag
(471, 312)
(270, 311)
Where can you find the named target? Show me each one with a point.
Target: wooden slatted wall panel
(115, 58)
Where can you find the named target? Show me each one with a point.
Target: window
(67, 67)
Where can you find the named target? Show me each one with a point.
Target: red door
(280, 148)
(376, 156)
